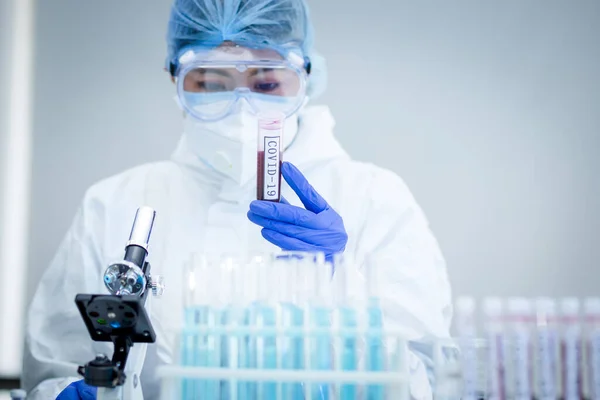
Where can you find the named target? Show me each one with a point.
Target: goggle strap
(307, 65)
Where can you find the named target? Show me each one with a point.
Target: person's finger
(287, 213)
(87, 392)
(288, 243)
(312, 200)
(69, 393)
(282, 227)
(307, 235)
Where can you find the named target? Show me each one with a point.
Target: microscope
(122, 317)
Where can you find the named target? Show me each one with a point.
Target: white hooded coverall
(198, 208)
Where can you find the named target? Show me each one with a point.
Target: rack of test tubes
(291, 326)
(520, 348)
(296, 326)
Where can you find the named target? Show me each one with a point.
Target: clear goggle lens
(211, 84)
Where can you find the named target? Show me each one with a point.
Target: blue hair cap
(264, 22)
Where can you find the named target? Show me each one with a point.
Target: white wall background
(5, 49)
(490, 110)
(16, 31)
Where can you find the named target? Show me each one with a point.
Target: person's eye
(211, 86)
(266, 87)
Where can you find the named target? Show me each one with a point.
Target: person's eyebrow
(213, 71)
(256, 71)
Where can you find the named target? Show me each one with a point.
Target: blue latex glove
(316, 228)
(78, 391)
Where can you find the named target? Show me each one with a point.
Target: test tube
(520, 313)
(592, 347)
(269, 156)
(571, 349)
(300, 274)
(194, 348)
(318, 333)
(376, 353)
(546, 364)
(263, 283)
(346, 321)
(467, 332)
(496, 357)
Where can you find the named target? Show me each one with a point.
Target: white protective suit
(197, 209)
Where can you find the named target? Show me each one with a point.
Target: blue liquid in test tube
(375, 350)
(263, 350)
(349, 356)
(321, 358)
(293, 358)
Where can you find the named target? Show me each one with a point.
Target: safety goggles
(212, 82)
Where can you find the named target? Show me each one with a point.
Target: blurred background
(489, 110)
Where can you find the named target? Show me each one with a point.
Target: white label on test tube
(571, 349)
(469, 354)
(272, 145)
(465, 312)
(497, 366)
(546, 366)
(592, 348)
(522, 357)
(270, 132)
(492, 308)
(571, 362)
(546, 362)
(520, 313)
(594, 357)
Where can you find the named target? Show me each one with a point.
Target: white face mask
(229, 146)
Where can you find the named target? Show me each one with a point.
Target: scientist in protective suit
(205, 196)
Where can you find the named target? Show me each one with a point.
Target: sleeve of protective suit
(412, 277)
(56, 338)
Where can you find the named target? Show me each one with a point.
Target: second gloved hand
(78, 391)
(316, 228)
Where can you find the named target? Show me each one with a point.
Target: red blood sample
(271, 181)
(269, 156)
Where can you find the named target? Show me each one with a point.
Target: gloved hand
(78, 391)
(316, 228)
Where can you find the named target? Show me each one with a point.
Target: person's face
(258, 80)
(270, 81)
